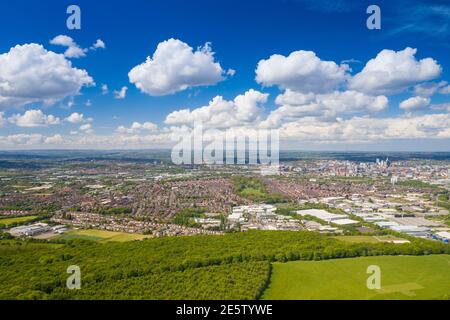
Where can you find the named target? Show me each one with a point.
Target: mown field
(102, 235)
(231, 266)
(7, 222)
(402, 277)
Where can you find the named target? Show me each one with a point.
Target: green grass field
(369, 239)
(9, 221)
(402, 278)
(102, 235)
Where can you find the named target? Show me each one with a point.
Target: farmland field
(9, 221)
(102, 235)
(402, 277)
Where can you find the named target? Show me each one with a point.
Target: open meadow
(7, 222)
(102, 235)
(402, 277)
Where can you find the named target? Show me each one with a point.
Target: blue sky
(241, 34)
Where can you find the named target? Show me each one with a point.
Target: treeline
(417, 184)
(231, 265)
(186, 217)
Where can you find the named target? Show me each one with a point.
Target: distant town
(48, 197)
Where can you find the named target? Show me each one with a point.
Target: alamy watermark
(374, 280)
(232, 146)
(374, 20)
(74, 280)
(74, 20)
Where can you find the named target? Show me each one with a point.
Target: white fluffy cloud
(55, 139)
(87, 128)
(120, 94)
(302, 131)
(73, 50)
(21, 139)
(394, 71)
(428, 89)
(84, 141)
(366, 129)
(33, 118)
(99, 44)
(301, 71)
(138, 127)
(77, 118)
(175, 67)
(415, 103)
(321, 102)
(220, 113)
(295, 105)
(31, 74)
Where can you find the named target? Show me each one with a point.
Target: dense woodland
(232, 266)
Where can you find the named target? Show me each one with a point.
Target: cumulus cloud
(174, 67)
(244, 110)
(138, 127)
(73, 50)
(21, 139)
(120, 94)
(295, 105)
(394, 71)
(77, 118)
(301, 71)
(31, 74)
(428, 89)
(321, 102)
(303, 130)
(415, 103)
(56, 139)
(367, 129)
(33, 118)
(84, 141)
(86, 128)
(99, 44)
